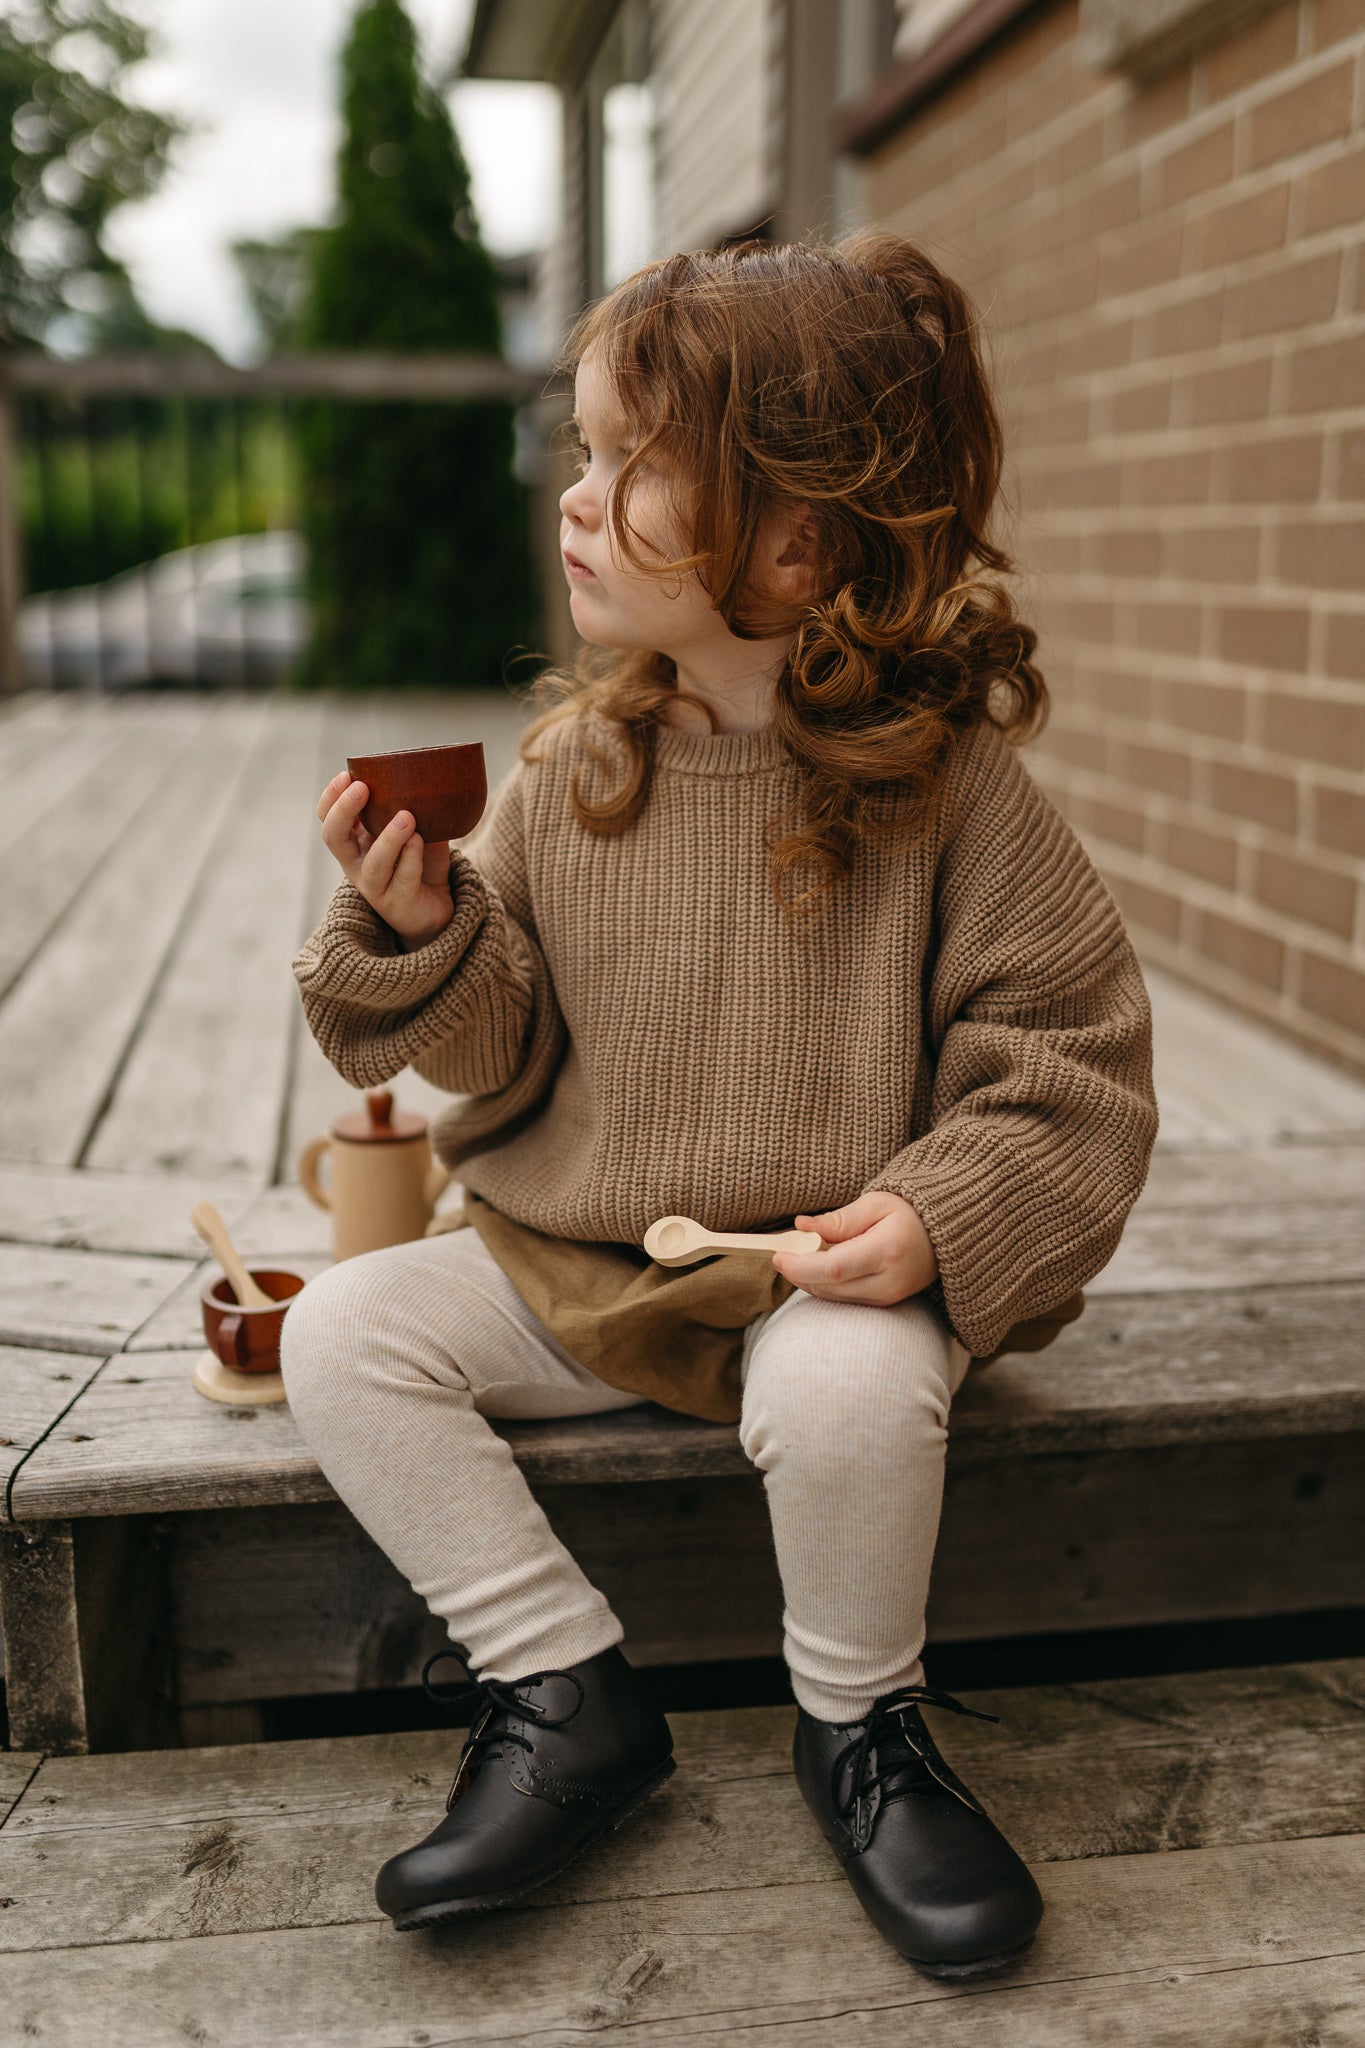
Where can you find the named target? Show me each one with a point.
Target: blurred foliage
(108, 484)
(276, 276)
(417, 528)
(73, 147)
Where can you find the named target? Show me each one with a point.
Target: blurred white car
(229, 612)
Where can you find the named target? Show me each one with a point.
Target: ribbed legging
(393, 1360)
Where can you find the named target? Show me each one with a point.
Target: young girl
(768, 924)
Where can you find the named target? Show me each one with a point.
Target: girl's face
(614, 604)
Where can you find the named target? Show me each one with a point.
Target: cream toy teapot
(384, 1181)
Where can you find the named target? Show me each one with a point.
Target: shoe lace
(885, 1732)
(490, 1701)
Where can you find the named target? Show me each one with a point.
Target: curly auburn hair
(845, 381)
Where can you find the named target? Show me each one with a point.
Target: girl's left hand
(876, 1250)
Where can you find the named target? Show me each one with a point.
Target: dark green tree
(73, 146)
(416, 526)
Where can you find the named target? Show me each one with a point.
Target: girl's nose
(576, 502)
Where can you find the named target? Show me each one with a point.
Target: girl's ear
(792, 558)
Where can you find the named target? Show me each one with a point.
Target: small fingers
(381, 864)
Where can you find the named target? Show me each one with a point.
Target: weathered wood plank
(718, 1964)
(126, 1839)
(75, 1209)
(80, 1301)
(36, 1389)
(17, 1767)
(68, 1022)
(1270, 1244)
(51, 868)
(1134, 1373)
(1250, 1176)
(52, 768)
(297, 1600)
(87, 1636)
(1238, 1082)
(202, 1091)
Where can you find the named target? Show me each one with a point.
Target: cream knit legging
(393, 1360)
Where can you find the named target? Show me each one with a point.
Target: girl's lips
(574, 566)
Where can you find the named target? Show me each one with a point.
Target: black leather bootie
(932, 1872)
(552, 1762)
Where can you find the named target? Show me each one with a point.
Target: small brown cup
(445, 788)
(247, 1339)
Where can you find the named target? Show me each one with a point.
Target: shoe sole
(486, 1902)
(981, 1968)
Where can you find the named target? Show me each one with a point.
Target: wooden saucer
(218, 1382)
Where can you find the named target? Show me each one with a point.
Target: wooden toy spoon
(214, 1232)
(678, 1241)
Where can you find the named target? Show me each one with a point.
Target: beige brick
(1338, 817)
(1333, 20)
(1116, 823)
(1196, 166)
(1167, 628)
(1264, 636)
(1164, 770)
(1285, 471)
(1303, 117)
(1259, 51)
(1211, 856)
(1330, 377)
(1328, 554)
(1254, 794)
(1326, 729)
(1230, 391)
(1346, 645)
(1151, 109)
(1295, 296)
(1142, 408)
(1124, 554)
(1118, 692)
(1076, 747)
(1170, 479)
(1105, 344)
(1219, 710)
(1080, 486)
(1186, 325)
(1334, 990)
(1308, 891)
(1333, 195)
(1241, 947)
(1098, 206)
(1064, 286)
(1153, 910)
(1250, 226)
(1066, 160)
(1349, 464)
(1213, 554)
(1150, 258)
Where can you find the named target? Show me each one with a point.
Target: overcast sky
(258, 79)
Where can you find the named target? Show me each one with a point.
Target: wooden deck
(1194, 1448)
(1200, 1844)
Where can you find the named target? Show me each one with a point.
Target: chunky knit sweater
(633, 1029)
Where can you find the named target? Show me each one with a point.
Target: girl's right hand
(406, 882)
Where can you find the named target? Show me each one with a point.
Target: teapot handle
(308, 1172)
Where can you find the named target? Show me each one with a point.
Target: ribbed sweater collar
(708, 753)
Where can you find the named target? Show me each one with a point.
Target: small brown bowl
(445, 788)
(248, 1339)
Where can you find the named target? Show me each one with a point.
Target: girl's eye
(582, 456)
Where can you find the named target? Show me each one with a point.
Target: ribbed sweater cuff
(355, 958)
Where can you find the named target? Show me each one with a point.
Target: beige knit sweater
(633, 1029)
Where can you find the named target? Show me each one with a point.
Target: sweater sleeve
(474, 1011)
(1043, 1113)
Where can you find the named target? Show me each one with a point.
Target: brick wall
(1174, 277)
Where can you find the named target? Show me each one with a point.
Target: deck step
(1200, 1842)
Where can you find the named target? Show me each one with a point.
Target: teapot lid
(381, 1124)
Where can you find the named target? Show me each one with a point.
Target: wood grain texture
(36, 1389)
(202, 1091)
(298, 1600)
(754, 1964)
(1267, 1244)
(75, 1209)
(131, 1844)
(1134, 1373)
(80, 1301)
(16, 1773)
(1248, 1175)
